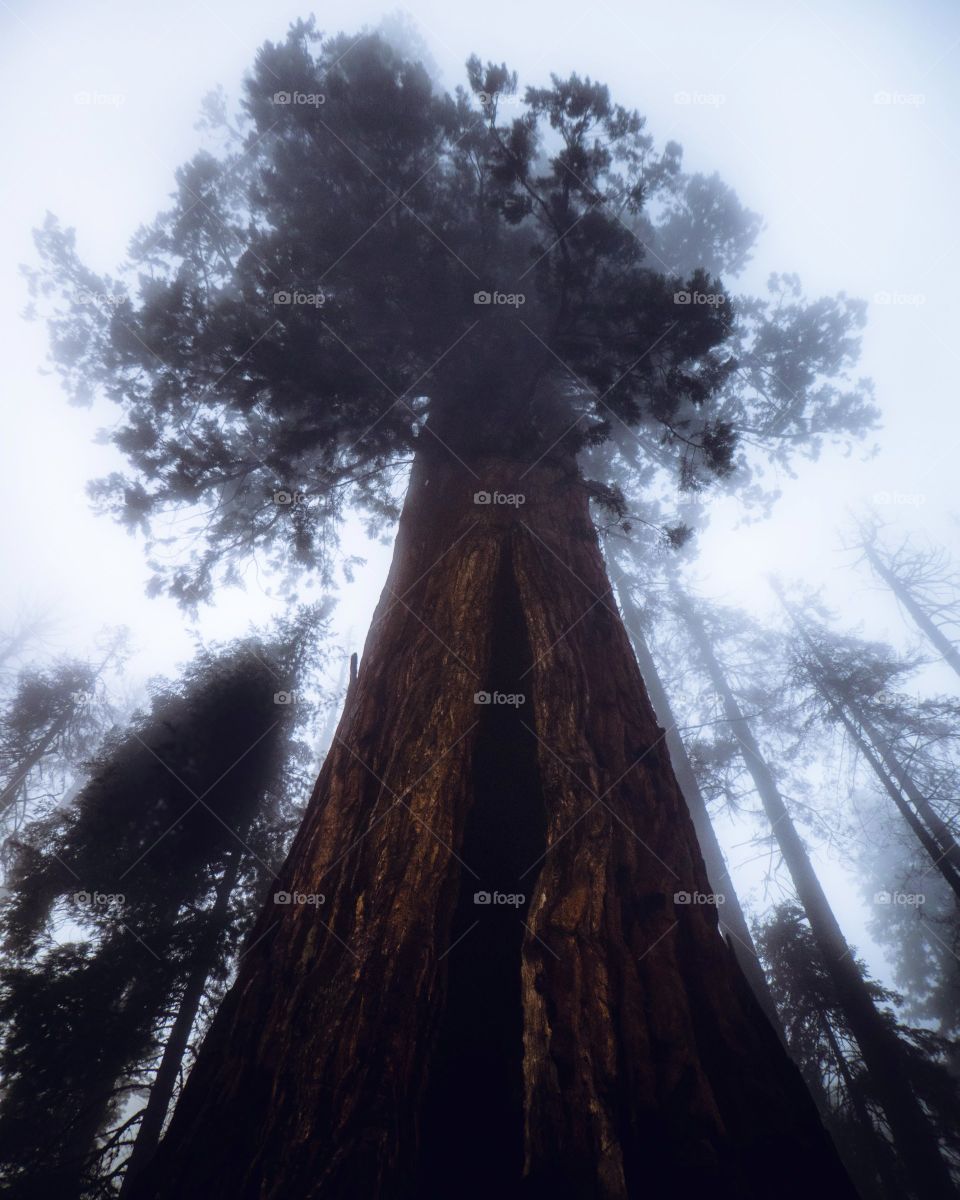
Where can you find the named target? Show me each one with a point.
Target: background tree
(128, 906)
(734, 921)
(912, 745)
(882, 1050)
(904, 749)
(51, 717)
(926, 584)
(824, 1045)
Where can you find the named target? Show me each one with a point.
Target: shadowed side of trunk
(630, 1054)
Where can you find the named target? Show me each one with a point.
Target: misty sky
(835, 120)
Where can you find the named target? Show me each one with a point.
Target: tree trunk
(10, 793)
(598, 1041)
(171, 1061)
(933, 633)
(878, 1152)
(935, 823)
(939, 829)
(923, 834)
(733, 921)
(879, 1045)
(66, 1164)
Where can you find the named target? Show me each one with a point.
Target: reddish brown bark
(607, 1030)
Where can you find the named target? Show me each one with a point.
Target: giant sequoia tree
(371, 276)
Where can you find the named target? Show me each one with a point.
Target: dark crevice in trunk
(472, 1126)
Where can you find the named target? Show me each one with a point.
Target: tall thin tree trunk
(589, 1038)
(732, 918)
(69, 1162)
(930, 844)
(878, 1150)
(171, 1061)
(934, 822)
(933, 633)
(18, 775)
(949, 849)
(881, 1049)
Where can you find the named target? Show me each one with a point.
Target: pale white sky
(835, 119)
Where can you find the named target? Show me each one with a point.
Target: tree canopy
(364, 266)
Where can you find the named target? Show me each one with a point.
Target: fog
(836, 122)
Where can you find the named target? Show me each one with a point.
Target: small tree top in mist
(368, 267)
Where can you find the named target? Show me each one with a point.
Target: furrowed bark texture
(598, 1040)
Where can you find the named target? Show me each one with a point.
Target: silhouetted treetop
(366, 267)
